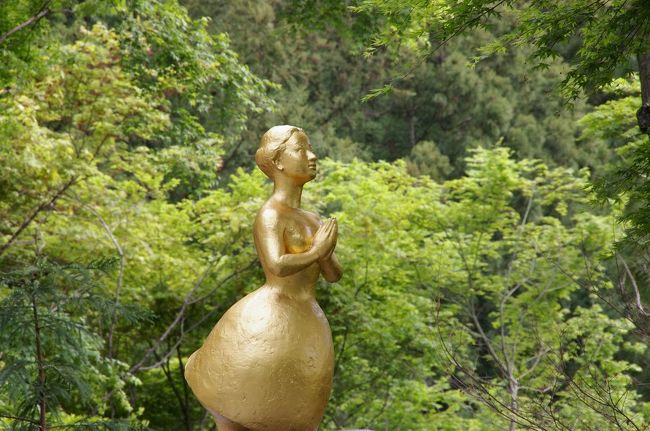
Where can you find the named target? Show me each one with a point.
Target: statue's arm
(331, 268)
(269, 238)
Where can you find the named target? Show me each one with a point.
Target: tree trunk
(40, 363)
(513, 388)
(643, 114)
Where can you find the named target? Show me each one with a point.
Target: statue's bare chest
(299, 231)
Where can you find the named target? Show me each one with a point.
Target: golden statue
(268, 363)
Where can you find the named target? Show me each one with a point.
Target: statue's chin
(297, 179)
(304, 180)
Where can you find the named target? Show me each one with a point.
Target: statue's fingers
(329, 253)
(322, 229)
(332, 235)
(324, 225)
(334, 230)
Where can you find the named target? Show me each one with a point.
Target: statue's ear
(278, 164)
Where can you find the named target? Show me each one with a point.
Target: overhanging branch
(44, 11)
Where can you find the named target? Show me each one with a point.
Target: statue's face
(297, 161)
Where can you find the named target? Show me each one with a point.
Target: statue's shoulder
(268, 212)
(269, 216)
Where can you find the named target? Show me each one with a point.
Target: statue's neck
(287, 194)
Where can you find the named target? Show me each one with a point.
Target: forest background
(484, 160)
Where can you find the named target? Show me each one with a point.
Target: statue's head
(286, 150)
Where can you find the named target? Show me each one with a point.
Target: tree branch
(120, 276)
(38, 209)
(20, 419)
(637, 293)
(44, 11)
(180, 318)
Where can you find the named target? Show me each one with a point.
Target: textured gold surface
(268, 363)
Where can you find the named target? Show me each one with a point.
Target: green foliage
(194, 76)
(623, 184)
(625, 179)
(64, 128)
(54, 373)
(474, 303)
(461, 286)
(15, 53)
(197, 71)
(93, 162)
(441, 98)
(425, 159)
(610, 34)
(25, 24)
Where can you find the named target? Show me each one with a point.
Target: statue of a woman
(268, 363)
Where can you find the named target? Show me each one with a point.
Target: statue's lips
(312, 166)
